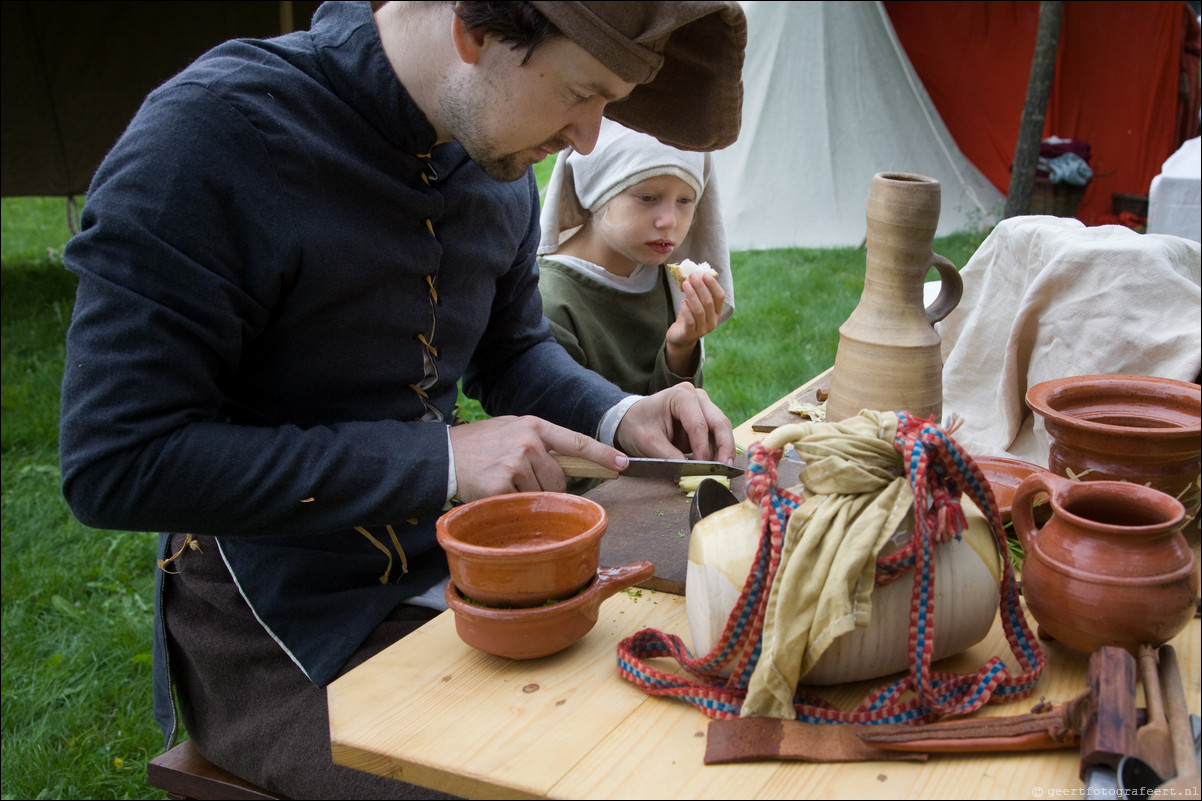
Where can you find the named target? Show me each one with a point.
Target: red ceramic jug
(1110, 566)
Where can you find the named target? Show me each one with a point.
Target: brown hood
(686, 57)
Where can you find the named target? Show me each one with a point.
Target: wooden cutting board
(649, 520)
(780, 415)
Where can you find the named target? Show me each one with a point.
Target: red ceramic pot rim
(555, 502)
(1005, 467)
(1137, 388)
(1165, 511)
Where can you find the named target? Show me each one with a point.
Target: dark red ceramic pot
(1004, 475)
(1142, 429)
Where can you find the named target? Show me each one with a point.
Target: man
(287, 263)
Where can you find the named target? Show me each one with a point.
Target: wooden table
(433, 711)
(811, 392)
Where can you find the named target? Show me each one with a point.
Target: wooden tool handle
(1153, 739)
(1177, 712)
(577, 467)
(1109, 732)
(1149, 674)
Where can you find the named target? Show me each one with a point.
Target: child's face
(647, 222)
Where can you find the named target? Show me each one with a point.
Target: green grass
(77, 602)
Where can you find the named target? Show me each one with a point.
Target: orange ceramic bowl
(546, 629)
(524, 549)
(1004, 476)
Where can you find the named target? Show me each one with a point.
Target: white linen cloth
(1047, 297)
(1175, 198)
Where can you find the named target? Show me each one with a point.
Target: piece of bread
(681, 272)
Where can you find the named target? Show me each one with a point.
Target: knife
(578, 467)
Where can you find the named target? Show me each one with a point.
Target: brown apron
(247, 707)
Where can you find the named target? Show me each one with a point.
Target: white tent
(830, 99)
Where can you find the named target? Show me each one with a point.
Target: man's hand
(675, 422)
(511, 454)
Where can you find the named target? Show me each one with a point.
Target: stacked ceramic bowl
(525, 580)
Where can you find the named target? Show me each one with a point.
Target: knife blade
(577, 467)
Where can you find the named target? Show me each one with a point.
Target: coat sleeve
(176, 280)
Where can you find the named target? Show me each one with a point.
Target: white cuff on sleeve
(452, 483)
(609, 423)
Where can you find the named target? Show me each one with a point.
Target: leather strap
(761, 739)
(770, 739)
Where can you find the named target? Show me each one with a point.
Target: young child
(611, 223)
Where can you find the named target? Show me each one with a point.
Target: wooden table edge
(751, 429)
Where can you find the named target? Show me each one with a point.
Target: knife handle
(578, 467)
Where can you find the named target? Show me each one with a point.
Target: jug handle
(950, 290)
(1022, 510)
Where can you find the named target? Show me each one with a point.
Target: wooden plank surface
(778, 414)
(436, 712)
(183, 772)
(482, 726)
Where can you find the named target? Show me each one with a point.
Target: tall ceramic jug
(889, 355)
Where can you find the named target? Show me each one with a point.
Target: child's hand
(697, 316)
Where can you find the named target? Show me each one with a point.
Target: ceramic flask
(888, 356)
(1110, 567)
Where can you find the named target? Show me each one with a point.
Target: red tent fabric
(1121, 73)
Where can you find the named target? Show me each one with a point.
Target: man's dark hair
(519, 24)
